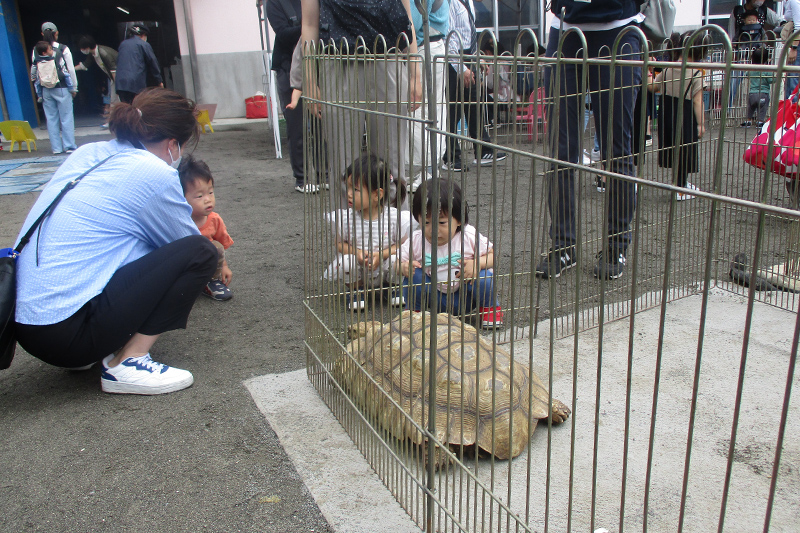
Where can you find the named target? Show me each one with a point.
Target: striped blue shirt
(121, 211)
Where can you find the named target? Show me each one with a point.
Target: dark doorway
(105, 21)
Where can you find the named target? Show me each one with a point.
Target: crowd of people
(53, 73)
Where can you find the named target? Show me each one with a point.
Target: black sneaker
(610, 266)
(556, 262)
(454, 166)
(746, 124)
(490, 157)
(600, 183)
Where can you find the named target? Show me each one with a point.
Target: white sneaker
(595, 155)
(421, 175)
(308, 188)
(587, 159)
(142, 375)
(683, 196)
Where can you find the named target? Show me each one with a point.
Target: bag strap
(69, 186)
(290, 13)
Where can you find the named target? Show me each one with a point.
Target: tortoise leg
(440, 458)
(559, 412)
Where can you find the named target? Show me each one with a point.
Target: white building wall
(230, 63)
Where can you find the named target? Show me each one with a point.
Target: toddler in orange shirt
(198, 188)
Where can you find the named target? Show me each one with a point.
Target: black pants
(294, 124)
(566, 130)
(462, 104)
(127, 97)
(151, 295)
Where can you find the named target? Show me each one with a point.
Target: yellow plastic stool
(204, 120)
(18, 131)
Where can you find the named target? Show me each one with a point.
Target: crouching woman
(118, 261)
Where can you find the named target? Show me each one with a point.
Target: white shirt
(374, 235)
(460, 24)
(791, 9)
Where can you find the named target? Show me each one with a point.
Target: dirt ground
(203, 459)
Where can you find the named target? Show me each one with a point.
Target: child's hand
(468, 272)
(377, 260)
(226, 276)
(361, 257)
(407, 269)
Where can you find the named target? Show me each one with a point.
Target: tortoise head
(360, 329)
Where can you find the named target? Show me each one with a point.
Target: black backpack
(347, 19)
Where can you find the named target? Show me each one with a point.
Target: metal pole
(187, 16)
(269, 76)
(3, 105)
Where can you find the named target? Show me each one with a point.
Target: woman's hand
(415, 89)
(701, 129)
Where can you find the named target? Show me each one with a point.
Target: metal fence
(678, 374)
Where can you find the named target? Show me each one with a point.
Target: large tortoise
(467, 412)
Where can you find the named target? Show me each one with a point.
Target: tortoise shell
(477, 390)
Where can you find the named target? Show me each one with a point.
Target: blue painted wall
(14, 71)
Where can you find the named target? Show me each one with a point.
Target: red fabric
(256, 107)
(785, 155)
(215, 230)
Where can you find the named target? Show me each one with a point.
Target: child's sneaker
(355, 301)
(216, 290)
(491, 317)
(394, 297)
(142, 375)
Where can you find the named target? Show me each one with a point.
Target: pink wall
(220, 27)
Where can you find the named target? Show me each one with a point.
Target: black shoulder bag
(8, 276)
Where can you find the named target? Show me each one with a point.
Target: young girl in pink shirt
(464, 258)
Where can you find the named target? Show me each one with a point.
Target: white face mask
(175, 162)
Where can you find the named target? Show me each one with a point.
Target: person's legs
(51, 112)
(126, 96)
(480, 292)
(420, 138)
(388, 136)
(67, 119)
(344, 128)
(294, 125)
(561, 81)
(452, 150)
(627, 81)
(763, 107)
(791, 80)
(148, 296)
(417, 291)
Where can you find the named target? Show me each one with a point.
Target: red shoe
(491, 317)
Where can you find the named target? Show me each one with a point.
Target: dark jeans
(458, 106)
(422, 294)
(568, 129)
(151, 295)
(294, 124)
(127, 97)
